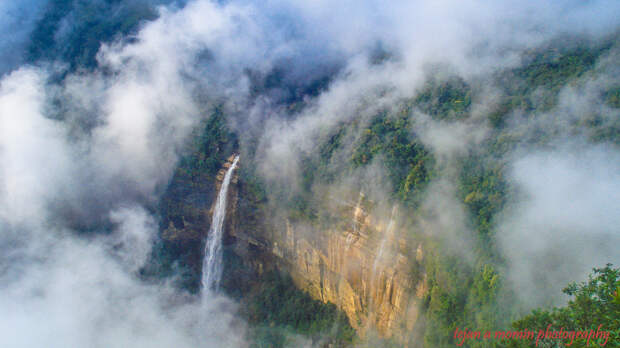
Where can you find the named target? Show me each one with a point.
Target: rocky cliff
(364, 264)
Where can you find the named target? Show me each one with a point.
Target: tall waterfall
(212, 262)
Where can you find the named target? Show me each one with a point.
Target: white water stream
(212, 262)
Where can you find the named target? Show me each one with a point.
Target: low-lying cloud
(566, 223)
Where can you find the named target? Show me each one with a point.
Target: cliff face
(368, 278)
(187, 209)
(363, 264)
(363, 270)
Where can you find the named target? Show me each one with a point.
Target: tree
(593, 304)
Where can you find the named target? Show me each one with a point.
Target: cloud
(97, 164)
(60, 289)
(567, 221)
(33, 154)
(76, 295)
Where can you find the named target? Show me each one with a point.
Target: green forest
(459, 295)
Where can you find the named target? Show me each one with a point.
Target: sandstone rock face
(372, 286)
(363, 263)
(363, 266)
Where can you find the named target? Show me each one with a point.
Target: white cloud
(567, 222)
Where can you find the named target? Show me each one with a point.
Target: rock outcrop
(363, 263)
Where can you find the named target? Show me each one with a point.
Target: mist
(567, 220)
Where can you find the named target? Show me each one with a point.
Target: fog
(567, 221)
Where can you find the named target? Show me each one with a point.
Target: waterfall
(213, 255)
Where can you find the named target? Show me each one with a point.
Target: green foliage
(535, 85)
(92, 24)
(325, 167)
(461, 294)
(277, 309)
(210, 149)
(462, 297)
(484, 191)
(551, 70)
(409, 165)
(612, 97)
(316, 167)
(603, 128)
(301, 208)
(252, 199)
(448, 100)
(497, 117)
(182, 205)
(170, 261)
(593, 303)
(446, 298)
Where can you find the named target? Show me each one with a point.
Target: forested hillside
(473, 294)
